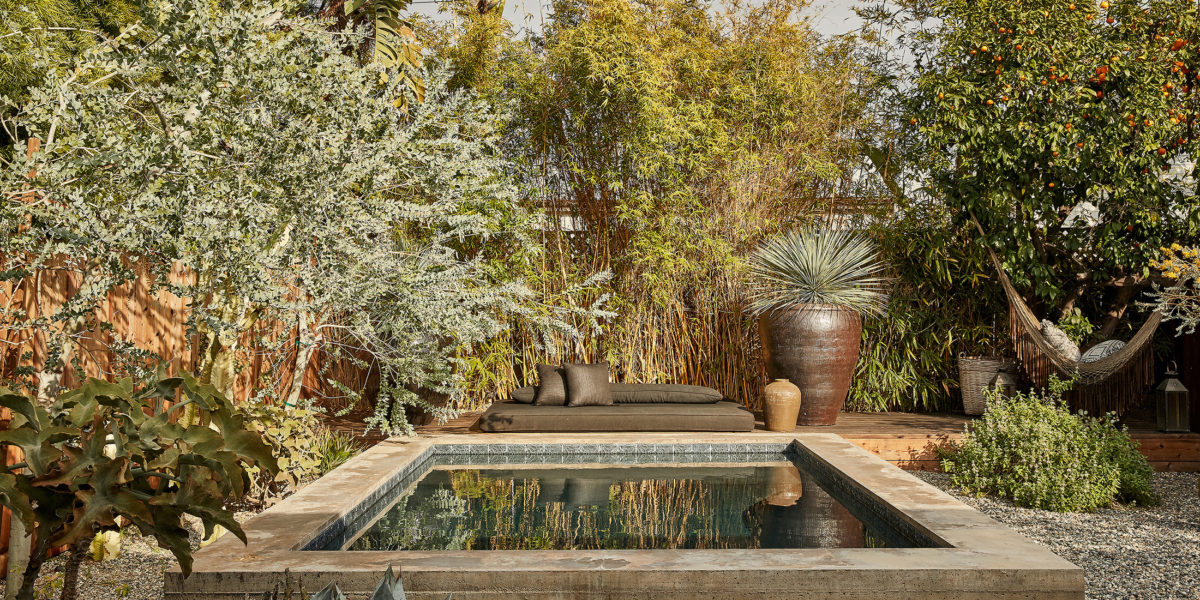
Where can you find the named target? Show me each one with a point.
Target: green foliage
(663, 141)
(303, 447)
(246, 148)
(837, 267)
(1076, 326)
(1179, 300)
(109, 450)
(944, 300)
(77, 24)
(294, 436)
(335, 448)
(1029, 448)
(1069, 132)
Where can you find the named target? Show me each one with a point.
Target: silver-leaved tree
(284, 180)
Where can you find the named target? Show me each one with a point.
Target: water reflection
(628, 507)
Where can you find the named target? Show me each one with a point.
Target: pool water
(589, 506)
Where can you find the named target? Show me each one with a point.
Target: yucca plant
(838, 268)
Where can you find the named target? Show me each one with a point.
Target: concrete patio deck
(908, 440)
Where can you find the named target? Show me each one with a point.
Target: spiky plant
(840, 268)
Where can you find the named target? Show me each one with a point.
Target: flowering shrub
(1180, 301)
(1030, 449)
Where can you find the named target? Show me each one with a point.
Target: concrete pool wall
(979, 558)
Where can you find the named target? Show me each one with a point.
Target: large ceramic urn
(815, 346)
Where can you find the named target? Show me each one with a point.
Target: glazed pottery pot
(781, 405)
(815, 346)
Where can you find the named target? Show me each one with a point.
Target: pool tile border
(984, 559)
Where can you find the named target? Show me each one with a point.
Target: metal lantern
(1172, 399)
(1004, 383)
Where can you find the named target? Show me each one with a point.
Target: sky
(832, 17)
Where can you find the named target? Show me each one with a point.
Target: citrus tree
(1067, 128)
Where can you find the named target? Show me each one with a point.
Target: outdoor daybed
(635, 407)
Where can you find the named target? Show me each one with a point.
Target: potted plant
(810, 292)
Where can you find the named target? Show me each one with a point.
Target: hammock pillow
(1059, 341)
(1101, 350)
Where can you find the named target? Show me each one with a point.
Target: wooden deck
(910, 440)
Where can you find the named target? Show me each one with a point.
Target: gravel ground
(1126, 553)
(135, 575)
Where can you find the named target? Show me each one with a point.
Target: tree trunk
(218, 366)
(1125, 294)
(304, 351)
(18, 556)
(71, 574)
(34, 566)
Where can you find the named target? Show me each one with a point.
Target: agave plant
(840, 268)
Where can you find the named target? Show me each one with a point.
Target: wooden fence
(154, 322)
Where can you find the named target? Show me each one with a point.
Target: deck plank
(909, 440)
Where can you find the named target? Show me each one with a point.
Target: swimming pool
(648, 516)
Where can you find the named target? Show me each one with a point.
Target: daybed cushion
(518, 417)
(643, 393)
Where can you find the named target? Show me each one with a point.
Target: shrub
(109, 451)
(1030, 449)
(304, 448)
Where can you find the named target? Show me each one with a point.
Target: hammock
(1111, 384)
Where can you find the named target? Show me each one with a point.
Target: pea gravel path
(1126, 553)
(135, 575)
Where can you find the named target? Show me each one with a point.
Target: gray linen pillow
(1059, 340)
(587, 385)
(552, 389)
(1101, 350)
(524, 395)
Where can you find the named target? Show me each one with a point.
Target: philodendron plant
(833, 267)
(109, 450)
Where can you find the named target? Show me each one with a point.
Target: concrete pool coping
(985, 560)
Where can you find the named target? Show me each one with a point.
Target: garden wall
(151, 322)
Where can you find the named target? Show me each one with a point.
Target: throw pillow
(587, 385)
(1101, 350)
(1059, 340)
(552, 388)
(524, 395)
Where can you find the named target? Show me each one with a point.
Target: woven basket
(976, 373)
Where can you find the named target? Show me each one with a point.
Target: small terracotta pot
(781, 405)
(815, 346)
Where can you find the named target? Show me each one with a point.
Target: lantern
(1004, 383)
(1172, 400)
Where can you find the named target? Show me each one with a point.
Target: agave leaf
(389, 588)
(839, 268)
(329, 592)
